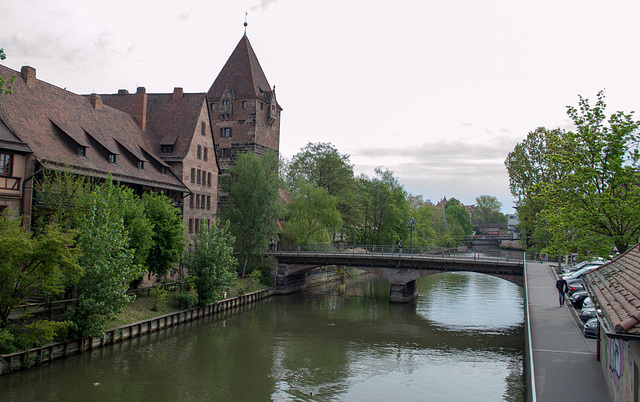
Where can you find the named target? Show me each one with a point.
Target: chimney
(140, 107)
(177, 94)
(96, 101)
(29, 75)
(123, 92)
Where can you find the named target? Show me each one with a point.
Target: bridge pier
(403, 292)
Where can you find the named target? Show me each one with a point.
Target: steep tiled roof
(8, 140)
(243, 74)
(615, 287)
(169, 121)
(54, 122)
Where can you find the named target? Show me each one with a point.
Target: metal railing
(394, 250)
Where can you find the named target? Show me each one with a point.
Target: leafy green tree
(253, 204)
(211, 262)
(168, 233)
(63, 197)
(384, 210)
(107, 262)
(423, 234)
(140, 229)
(595, 205)
(488, 210)
(34, 264)
(321, 165)
(312, 216)
(6, 87)
(531, 169)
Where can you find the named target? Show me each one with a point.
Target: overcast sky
(437, 92)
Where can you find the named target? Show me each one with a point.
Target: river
(462, 340)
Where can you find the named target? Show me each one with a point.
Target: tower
(243, 110)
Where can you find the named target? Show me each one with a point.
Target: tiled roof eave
(119, 177)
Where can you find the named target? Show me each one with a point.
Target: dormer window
(244, 104)
(213, 107)
(166, 149)
(141, 165)
(112, 158)
(82, 151)
(164, 170)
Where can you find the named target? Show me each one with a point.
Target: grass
(146, 307)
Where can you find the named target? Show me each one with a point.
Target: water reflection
(462, 340)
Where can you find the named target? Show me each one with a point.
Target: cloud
(264, 4)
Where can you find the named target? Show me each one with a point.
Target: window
(225, 132)
(164, 170)
(166, 149)
(112, 158)
(209, 179)
(244, 104)
(203, 128)
(226, 152)
(204, 153)
(208, 202)
(261, 106)
(198, 176)
(193, 175)
(141, 165)
(197, 201)
(213, 106)
(190, 225)
(199, 152)
(191, 201)
(6, 164)
(197, 225)
(82, 151)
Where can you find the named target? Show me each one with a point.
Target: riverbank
(25, 359)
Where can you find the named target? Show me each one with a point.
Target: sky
(437, 92)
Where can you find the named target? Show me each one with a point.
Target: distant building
(513, 222)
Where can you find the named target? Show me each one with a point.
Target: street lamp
(411, 224)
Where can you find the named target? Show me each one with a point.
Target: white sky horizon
(438, 93)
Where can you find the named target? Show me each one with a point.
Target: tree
(107, 262)
(488, 209)
(31, 265)
(321, 165)
(384, 208)
(253, 204)
(168, 233)
(211, 262)
(312, 216)
(6, 87)
(531, 169)
(595, 204)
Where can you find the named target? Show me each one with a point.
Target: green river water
(463, 340)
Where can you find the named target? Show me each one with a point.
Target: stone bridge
(400, 269)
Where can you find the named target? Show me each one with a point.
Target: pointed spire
(245, 23)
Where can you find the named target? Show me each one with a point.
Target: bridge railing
(394, 250)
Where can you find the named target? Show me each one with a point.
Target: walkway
(564, 361)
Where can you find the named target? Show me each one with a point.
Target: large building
(173, 142)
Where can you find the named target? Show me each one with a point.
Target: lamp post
(411, 224)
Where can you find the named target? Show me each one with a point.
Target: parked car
(578, 297)
(574, 285)
(578, 274)
(587, 303)
(586, 313)
(579, 266)
(590, 328)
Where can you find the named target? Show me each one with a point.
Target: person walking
(400, 247)
(563, 288)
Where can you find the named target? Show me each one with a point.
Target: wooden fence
(48, 353)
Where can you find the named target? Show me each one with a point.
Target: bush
(185, 300)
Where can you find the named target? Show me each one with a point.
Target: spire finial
(245, 23)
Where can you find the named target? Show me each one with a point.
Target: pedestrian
(400, 247)
(562, 287)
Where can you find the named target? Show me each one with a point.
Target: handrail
(387, 251)
(532, 385)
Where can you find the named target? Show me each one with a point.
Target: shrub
(185, 300)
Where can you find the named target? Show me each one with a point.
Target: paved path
(564, 361)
